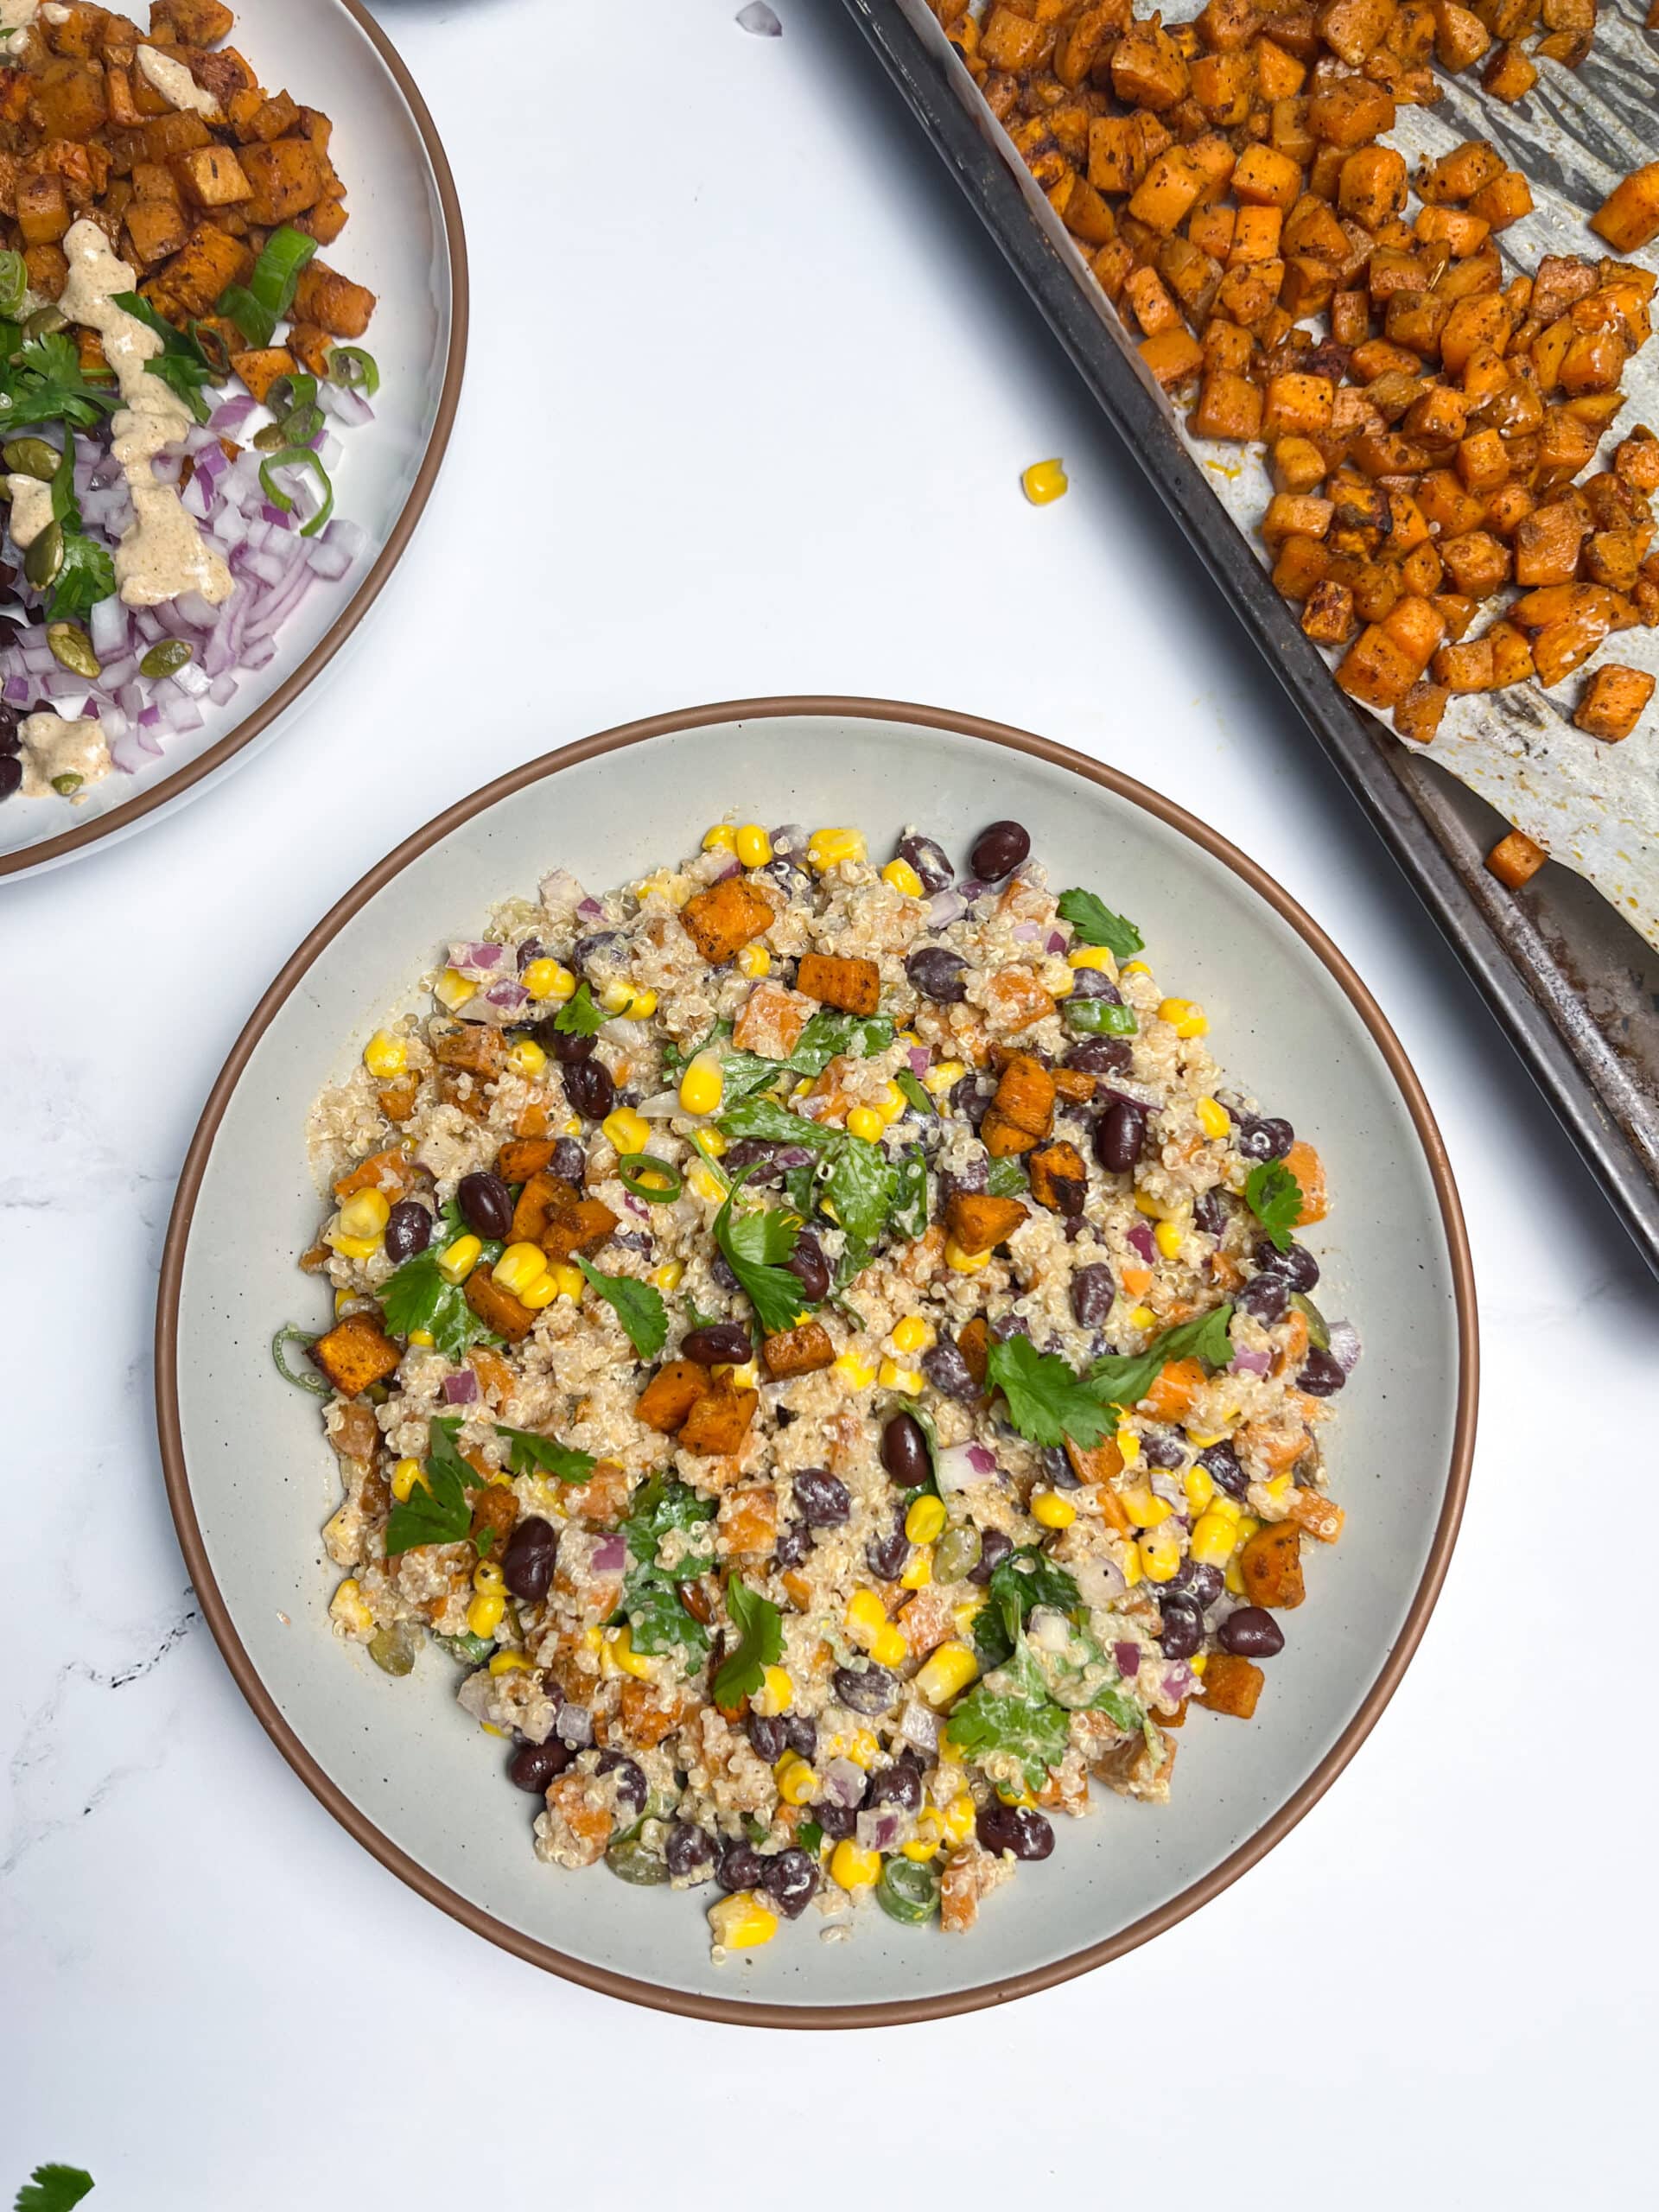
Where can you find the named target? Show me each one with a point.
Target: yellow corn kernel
(963, 1616)
(947, 1672)
(1168, 1237)
(703, 1184)
(742, 1921)
(1128, 1446)
(1142, 1317)
(386, 1055)
(753, 961)
(1092, 956)
(1229, 1507)
(710, 1143)
(366, 1215)
(670, 1275)
(527, 1058)
(942, 1076)
(902, 878)
(958, 1818)
(1143, 1505)
(593, 1639)
(1161, 1555)
(1058, 980)
(1214, 1118)
(1184, 1017)
(487, 1577)
(892, 1103)
(641, 1006)
(1044, 482)
(827, 848)
(1011, 1794)
(892, 1377)
(776, 1693)
(510, 1663)
(854, 1867)
(752, 845)
(747, 1377)
(1233, 1576)
(865, 1124)
(914, 1335)
(1199, 1488)
(1153, 1208)
(1052, 1509)
(797, 1783)
(626, 1130)
(855, 1371)
(346, 1606)
(1246, 1527)
(518, 1267)
(546, 979)
(420, 1336)
(1130, 1564)
(404, 1476)
(352, 1247)
(721, 838)
(453, 990)
(343, 1301)
(919, 1572)
(964, 1263)
(457, 1262)
(1135, 967)
(924, 1522)
(925, 1844)
(622, 1651)
(1202, 1439)
(484, 1614)
(890, 1648)
(1212, 1539)
(1198, 1662)
(1279, 1490)
(703, 1084)
(865, 1616)
(568, 1281)
(862, 1748)
(541, 1290)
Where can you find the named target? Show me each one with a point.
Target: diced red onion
(222, 691)
(151, 718)
(347, 407)
(1344, 1345)
(560, 888)
(1180, 1680)
(1057, 941)
(945, 907)
(475, 953)
(118, 672)
(350, 536)
(636, 1205)
(19, 691)
(972, 888)
(959, 1467)
(920, 1724)
(1029, 932)
(191, 679)
(590, 910)
(130, 751)
(1128, 1656)
(920, 1056)
(843, 1783)
(1140, 1236)
(731, 868)
(878, 1830)
(329, 562)
(574, 1725)
(279, 517)
(232, 414)
(461, 1388)
(89, 712)
(107, 627)
(610, 1555)
(199, 498)
(184, 715)
(1251, 1362)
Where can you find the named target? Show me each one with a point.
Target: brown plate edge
(735, 2011)
(168, 788)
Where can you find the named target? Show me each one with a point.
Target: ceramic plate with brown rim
(403, 241)
(251, 1480)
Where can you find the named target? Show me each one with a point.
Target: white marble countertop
(746, 408)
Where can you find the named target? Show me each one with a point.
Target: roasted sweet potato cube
(1147, 67)
(1560, 647)
(48, 268)
(748, 1520)
(1614, 558)
(1059, 1180)
(1450, 507)
(1025, 1094)
(474, 1047)
(212, 176)
(1270, 1565)
(1082, 40)
(1629, 217)
(1328, 616)
(574, 1225)
(356, 1353)
(193, 23)
(328, 220)
(260, 367)
(1150, 302)
(1173, 357)
(1085, 214)
(1230, 407)
(541, 1193)
(1416, 627)
(68, 99)
(670, 1395)
(1213, 231)
(192, 281)
(1419, 715)
(1229, 1685)
(1515, 860)
(1167, 192)
(284, 178)
(1373, 671)
(718, 1420)
(1613, 700)
(1593, 362)
(1477, 563)
(496, 1308)
(155, 228)
(1373, 186)
(1265, 177)
(1460, 37)
(1512, 661)
(175, 132)
(324, 296)
(523, 1157)
(1223, 86)
(42, 209)
(800, 1350)
(724, 918)
(1302, 564)
(978, 1222)
(1351, 112)
(854, 986)
(1117, 152)
(1482, 460)
(1547, 543)
(1510, 75)
(1503, 202)
(1258, 231)
(1466, 666)
(1010, 40)
(1636, 460)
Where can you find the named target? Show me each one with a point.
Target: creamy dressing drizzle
(17, 15)
(177, 86)
(52, 746)
(31, 509)
(163, 553)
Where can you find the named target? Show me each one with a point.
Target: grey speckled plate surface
(251, 1479)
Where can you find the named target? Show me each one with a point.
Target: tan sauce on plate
(177, 86)
(52, 746)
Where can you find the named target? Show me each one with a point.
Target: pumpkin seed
(70, 644)
(392, 1652)
(635, 1862)
(67, 783)
(44, 321)
(45, 557)
(32, 457)
(167, 657)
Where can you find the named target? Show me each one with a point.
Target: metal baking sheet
(1575, 989)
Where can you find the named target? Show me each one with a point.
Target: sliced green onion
(354, 370)
(908, 1891)
(210, 343)
(13, 282)
(1099, 1018)
(251, 317)
(278, 271)
(293, 457)
(290, 392)
(644, 1176)
(166, 658)
(291, 1333)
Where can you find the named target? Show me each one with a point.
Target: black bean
(630, 1783)
(1266, 1298)
(1210, 1213)
(753, 1152)
(869, 1690)
(486, 1204)
(889, 1556)
(1100, 1056)
(897, 1785)
(1163, 1448)
(1058, 1469)
(1199, 1581)
(740, 1866)
(794, 1542)
(718, 1343)
(809, 1268)
(947, 1370)
(790, 878)
(938, 973)
(1262, 1137)
(822, 1498)
(532, 1766)
(838, 1821)
(570, 1161)
(802, 1736)
(929, 860)
(1295, 1265)
(528, 1561)
(970, 1101)
(792, 1881)
(1119, 1134)
(1092, 1293)
(903, 1452)
(567, 1050)
(409, 1230)
(769, 1737)
(1321, 1376)
(689, 1854)
(720, 1268)
(999, 850)
(1095, 983)
(1220, 1463)
(1018, 1828)
(1182, 1626)
(971, 1177)
(589, 1088)
(993, 1549)
(1250, 1633)
(11, 775)
(531, 949)
(597, 945)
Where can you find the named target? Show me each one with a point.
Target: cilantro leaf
(741, 1072)
(1113, 1699)
(638, 1305)
(438, 1513)
(54, 2188)
(579, 1016)
(180, 364)
(1047, 1401)
(659, 1621)
(828, 1035)
(85, 576)
(908, 1213)
(1094, 923)
(1026, 1579)
(417, 1297)
(755, 1244)
(1033, 1730)
(529, 1453)
(759, 1625)
(809, 1836)
(660, 1505)
(765, 1118)
(1123, 1378)
(859, 1189)
(650, 1596)
(911, 1083)
(43, 383)
(1008, 1179)
(1275, 1197)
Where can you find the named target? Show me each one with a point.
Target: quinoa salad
(822, 1350)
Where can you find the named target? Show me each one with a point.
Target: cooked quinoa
(822, 1347)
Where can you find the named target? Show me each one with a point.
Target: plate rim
(737, 2011)
(168, 788)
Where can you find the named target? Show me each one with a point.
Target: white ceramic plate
(405, 241)
(251, 1479)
